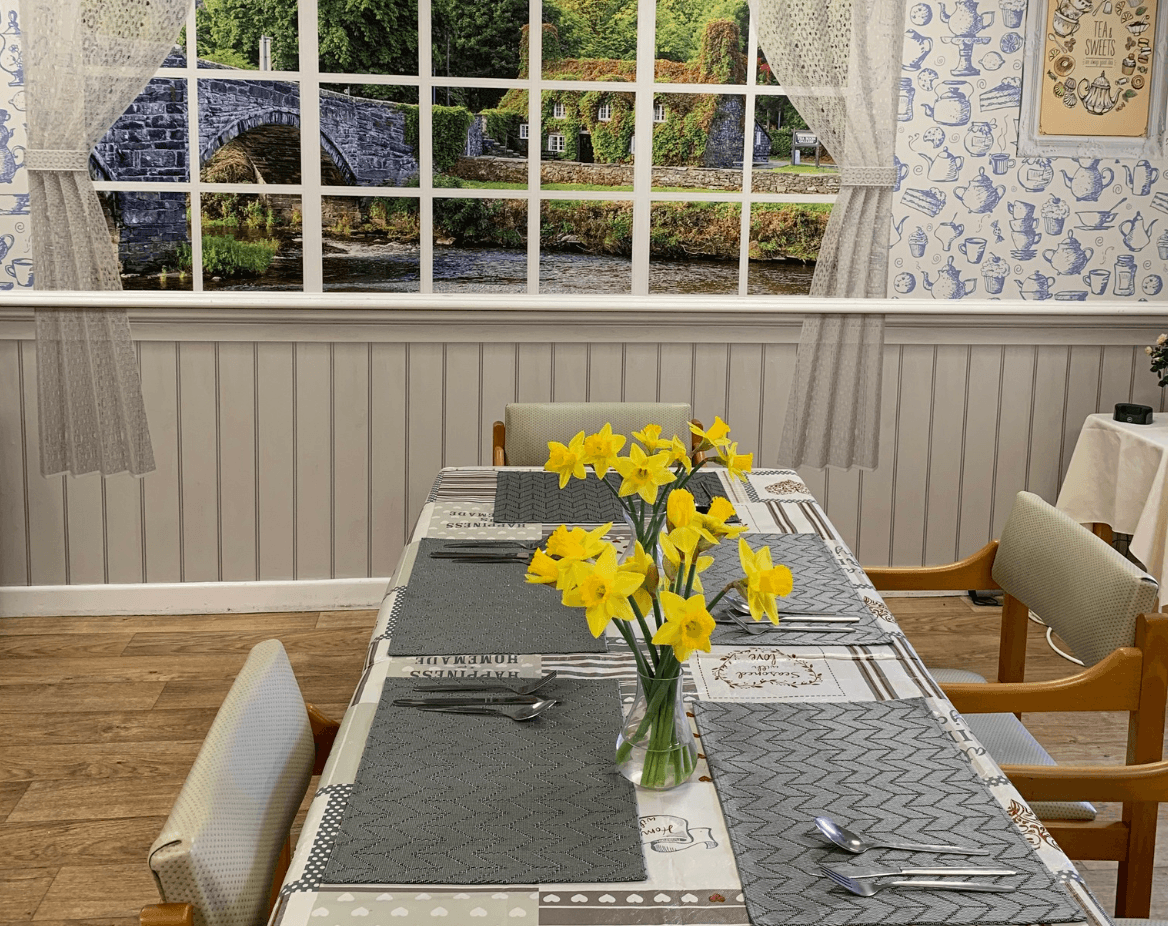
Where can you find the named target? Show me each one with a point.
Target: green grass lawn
(500, 185)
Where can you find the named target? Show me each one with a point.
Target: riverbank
(778, 231)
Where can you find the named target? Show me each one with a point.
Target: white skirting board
(191, 597)
(215, 597)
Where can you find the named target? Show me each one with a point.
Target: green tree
(229, 32)
(477, 40)
(369, 37)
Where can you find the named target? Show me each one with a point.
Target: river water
(353, 265)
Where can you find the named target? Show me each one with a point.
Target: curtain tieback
(868, 176)
(56, 159)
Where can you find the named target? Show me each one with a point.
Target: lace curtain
(839, 61)
(85, 62)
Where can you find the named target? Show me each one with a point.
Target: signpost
(802, 138)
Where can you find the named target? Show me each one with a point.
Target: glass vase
(656, 747)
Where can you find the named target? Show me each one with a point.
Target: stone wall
(366, 139)
(149, 142)
(511, 170)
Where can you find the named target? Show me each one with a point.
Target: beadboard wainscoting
(303, 447)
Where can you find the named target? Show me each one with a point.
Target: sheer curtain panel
(839, 62)
(85, 62)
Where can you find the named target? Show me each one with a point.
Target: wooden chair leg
(1012, 650)
(1103, 532)
(1133, 885)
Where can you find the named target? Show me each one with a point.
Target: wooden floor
(101, 718)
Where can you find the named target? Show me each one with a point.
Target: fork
(870, 888)
(486, 556)
(827, 869)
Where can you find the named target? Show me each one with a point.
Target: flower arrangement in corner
(1159, 354)
(657, 586)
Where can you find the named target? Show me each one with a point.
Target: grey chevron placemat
(464, 799)
(449, 606)
(820, 584)
(885, 769)
(531, 497)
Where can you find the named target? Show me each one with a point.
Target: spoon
(515, 712)
(743, 609)
(525, 687)
(870, 888)
(854, 843)
(901, 872)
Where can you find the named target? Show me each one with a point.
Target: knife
(466, 702)
(803, 618)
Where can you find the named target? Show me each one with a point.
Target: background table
(1118, 475)
(692, 877)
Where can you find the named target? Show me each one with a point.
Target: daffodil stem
(647, 634)
(718, 597)
(693, 571)
(631, 640)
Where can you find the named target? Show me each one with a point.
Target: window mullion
(425, 151)
(534, 137)
(311, 228)
(643, 130)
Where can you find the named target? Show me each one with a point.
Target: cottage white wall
(931, 220)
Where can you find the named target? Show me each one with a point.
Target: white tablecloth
(1118, 475)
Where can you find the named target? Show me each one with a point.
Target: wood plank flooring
(101, 717)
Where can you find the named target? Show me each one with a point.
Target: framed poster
(1094, 78)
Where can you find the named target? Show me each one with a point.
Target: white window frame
(604, 112)
(523, 130)
(312, 191)
(658, 112)
(559, 111)
(555, 142)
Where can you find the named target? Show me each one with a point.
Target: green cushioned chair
(1093, 598)
(522, 439)
(222, 855)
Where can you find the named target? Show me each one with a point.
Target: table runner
(820, 584)
(525, 496)
(884, 769)
(456, 607)
(458, 798)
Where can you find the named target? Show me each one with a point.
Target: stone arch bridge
(362, 143)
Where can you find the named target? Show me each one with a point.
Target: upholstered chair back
(219, 847)
(1079, 585)
(530, 425)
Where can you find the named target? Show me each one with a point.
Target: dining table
(436, 817)
(1118, 476)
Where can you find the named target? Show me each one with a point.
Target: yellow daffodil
(600, 450)
(574, 547)
(603, 591)
(687, 626)
(680, 509)
(641, 563)
(678, 453)
(737, 464)
(543, 570)
(762, 582)
(680, 547)
(643, 474)
(567, 461)
(714, 521)
(650, 437)
(716, 436)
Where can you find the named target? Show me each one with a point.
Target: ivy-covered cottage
(690, 129)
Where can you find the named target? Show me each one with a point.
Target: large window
(410, 146)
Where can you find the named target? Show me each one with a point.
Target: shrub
(225, 256)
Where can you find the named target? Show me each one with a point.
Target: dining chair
(224, 850)
(522, 439)
(1134, 784)
(1095, 600)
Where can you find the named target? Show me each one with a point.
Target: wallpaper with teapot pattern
(973, 220)
(15, 243)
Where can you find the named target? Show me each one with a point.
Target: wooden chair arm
(1112, 684)
(167, 914)
(1117, 783)
(498, 444)
(324, 732)
(972, 572)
